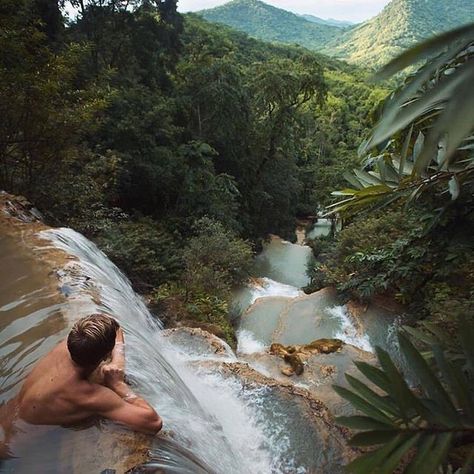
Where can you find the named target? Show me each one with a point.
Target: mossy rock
(295, 356)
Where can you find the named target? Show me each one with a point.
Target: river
(274, 309)
(213, 423)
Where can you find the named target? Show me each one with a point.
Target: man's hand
(113, 376)
(119, 336)
(118, 352)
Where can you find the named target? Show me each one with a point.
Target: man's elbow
(154, 423)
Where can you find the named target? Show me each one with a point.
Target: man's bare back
(58, 392)
(55, 392)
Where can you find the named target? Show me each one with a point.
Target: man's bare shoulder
(96, 397)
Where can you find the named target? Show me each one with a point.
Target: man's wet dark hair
(91, 339)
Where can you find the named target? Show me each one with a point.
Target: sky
(351, 10)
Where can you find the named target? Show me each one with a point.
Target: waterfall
(205, 415)
(348, 332)
(220, 415)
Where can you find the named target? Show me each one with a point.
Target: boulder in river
(319, 373)
(297, 355)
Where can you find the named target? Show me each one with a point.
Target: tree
(281, 88)
(215, 259)
(43, 114)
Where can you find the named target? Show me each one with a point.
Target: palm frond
(416, 426)
(424, 139)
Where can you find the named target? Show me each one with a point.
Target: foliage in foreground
(426, 429)
(423, 142)
(425, 159)
(419, 156)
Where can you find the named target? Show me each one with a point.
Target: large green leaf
(437, 453)
(457, 383)
(375, 375)
(393, 460)
(431, 100)
(421, 335)
(429, 381)
(385, 404)
(373, 438)
(424, 452)
(362, 405)
(455, 122)
(358, 422)
(425, 49)
(368, 463)
(406, 401)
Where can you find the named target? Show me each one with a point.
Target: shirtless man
(58, 390)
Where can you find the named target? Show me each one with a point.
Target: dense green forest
(132, 124)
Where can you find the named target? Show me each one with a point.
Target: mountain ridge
(327, 21)
(371, 44)
(265, 22)
(401, 24)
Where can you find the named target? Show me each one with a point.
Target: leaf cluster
(423, 140)
(418, 428)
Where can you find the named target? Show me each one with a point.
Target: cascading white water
(348, 333)
(205, 415)
(268, 287)
(274, 311)
(248, 343)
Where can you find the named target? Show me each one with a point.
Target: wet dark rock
(296, 356)
(166, 455)
(19, 208)
(208, 327)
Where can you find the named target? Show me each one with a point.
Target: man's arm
(117, 401)
(133, 412)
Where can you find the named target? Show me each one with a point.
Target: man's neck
(83, 372)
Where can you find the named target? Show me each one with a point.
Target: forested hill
(329, 21)
(370, 44)
(401, 24)
(268, 23)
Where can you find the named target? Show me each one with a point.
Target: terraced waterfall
(220, 415)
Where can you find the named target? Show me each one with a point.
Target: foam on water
(247, 343)
(348, 332)
(270, 287)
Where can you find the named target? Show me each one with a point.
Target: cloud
(353, 10)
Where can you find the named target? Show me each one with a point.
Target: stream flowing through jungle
(212, 423)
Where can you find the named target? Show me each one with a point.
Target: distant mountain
(268, 23)
(371, 44)
(401, 24)
(329, 21)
